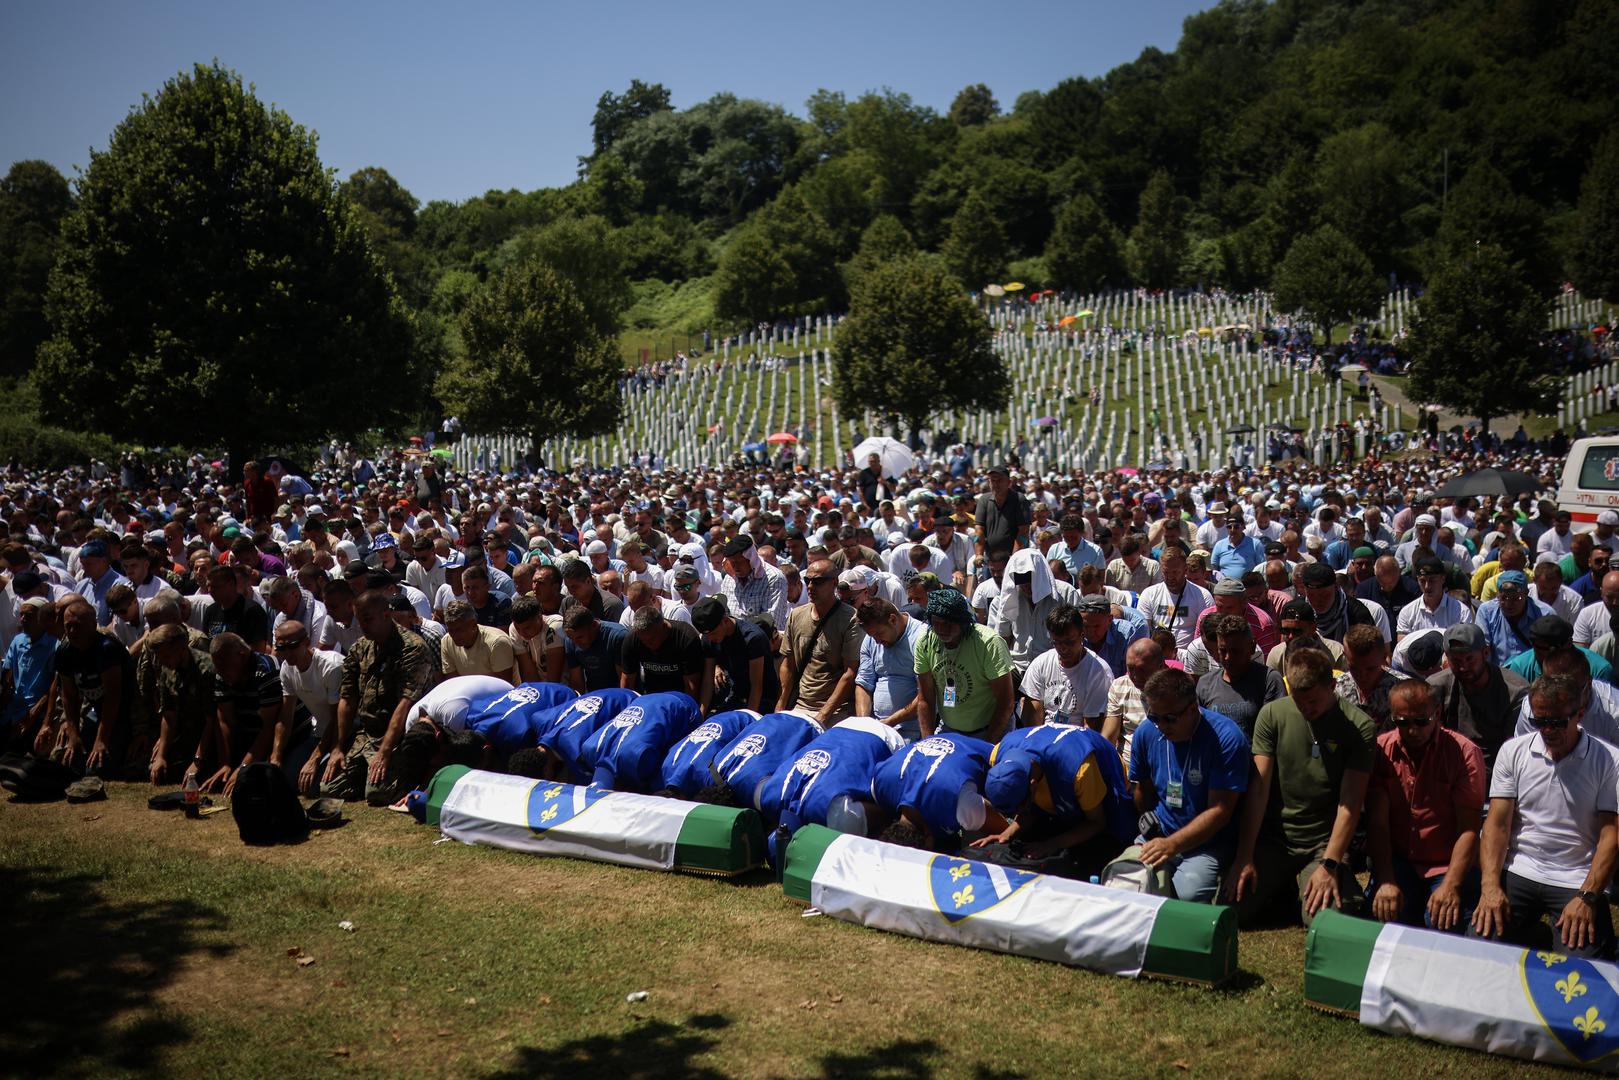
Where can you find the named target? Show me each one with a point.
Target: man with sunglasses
(1297, 629)
(821, 651)
(1549, 841)
(1423, 815)
(1188, 768)
(311, 682)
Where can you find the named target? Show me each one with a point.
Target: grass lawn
(141, 942)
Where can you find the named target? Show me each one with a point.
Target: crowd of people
(1257, 683)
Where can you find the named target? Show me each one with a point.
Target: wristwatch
(1591, 899)
(1331, 865)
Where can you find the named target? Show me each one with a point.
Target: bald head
(1142, 660)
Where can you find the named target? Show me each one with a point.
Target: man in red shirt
(1423, 810)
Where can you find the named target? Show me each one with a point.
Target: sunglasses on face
(1552, 723)
(682, 586)
(810, 579)
(1411, 721)
(288, 646)
(1291, 631)
(1163, 719)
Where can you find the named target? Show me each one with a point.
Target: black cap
(1426, 651)
(1300, 610)
(1551, 630)
(739, 545)
(1318, 575)
(708, 613)
(399, 602)
(26, 582)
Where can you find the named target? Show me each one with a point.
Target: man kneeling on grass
(1312, 762)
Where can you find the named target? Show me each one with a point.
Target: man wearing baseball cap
(1476, 696)
(1550, 635)
(1506, 620)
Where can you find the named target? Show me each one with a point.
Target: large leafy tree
(587, 252)
(913, 344)
(1476, 346)
(534, 361)
(973, 106)
(783, 262)
(1084, 250)
(1594, 255)
(1328, 278)
(33, 198)
(883, 240)
(388, 212)
(1157, 244)
(215, 288)
(616, 112)
(975, 251)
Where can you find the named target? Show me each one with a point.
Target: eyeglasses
(288, 646)
(1291, 631)
(682, 586)
(1162, 719)
(814, 579)
(1411, 721)
(1552, 723)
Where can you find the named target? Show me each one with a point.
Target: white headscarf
(1025, 561)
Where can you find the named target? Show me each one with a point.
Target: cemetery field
(156, 945)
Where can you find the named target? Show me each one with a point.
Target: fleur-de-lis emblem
(1571, 987)
(1550, 959)
(553, 791)
(960, 871)
(550, 813)
(1589, 1024)
(962, 896)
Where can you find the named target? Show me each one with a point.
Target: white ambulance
(1590, 481)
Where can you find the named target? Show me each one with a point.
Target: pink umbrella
(783, 437)
(1127, 471)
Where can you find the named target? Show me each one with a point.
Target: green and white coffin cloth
(965, 902)
(547, 818)
(1540, 1005)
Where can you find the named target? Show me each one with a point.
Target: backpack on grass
(266, 807)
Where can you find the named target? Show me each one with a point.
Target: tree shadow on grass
(82, 973)
(654, 1048)
(904, 1059)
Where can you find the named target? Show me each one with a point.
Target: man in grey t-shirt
(1239, 688)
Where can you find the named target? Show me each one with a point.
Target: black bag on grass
(266, 807)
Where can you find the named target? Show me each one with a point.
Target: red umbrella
(782, 437)
(415, 438)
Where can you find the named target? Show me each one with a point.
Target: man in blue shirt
(1236, 553)
(1074, 550)
(98, 577)
(594, 650)
(1189, 766)
(1550, 635)
(1107, 637)
(1506, 619)
(29, 665)
(885, 682)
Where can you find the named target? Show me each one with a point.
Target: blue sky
(456, 99)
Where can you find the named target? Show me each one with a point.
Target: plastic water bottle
(191, 796)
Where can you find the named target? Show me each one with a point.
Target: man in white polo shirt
(1549, 842)
(1435, 609)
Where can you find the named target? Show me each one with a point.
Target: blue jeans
(1195, 876)
(1415, 890)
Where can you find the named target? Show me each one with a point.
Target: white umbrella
(896, 456)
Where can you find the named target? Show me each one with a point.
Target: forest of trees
(1385, 136)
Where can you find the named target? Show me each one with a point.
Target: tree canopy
(1328, 278)
(33, 199)
(1476, 344)
(213, 285)
(914, 344)
(534, 360)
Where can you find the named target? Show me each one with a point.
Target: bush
(42, 446)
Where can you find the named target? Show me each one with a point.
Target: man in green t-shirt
(963, 672)
(1313, 756)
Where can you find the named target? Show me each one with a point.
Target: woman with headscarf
(1028, 594)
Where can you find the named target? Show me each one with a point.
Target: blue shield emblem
(550, 805)
(1577, 1002)
(963, 888)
